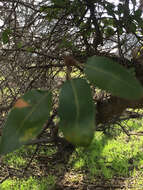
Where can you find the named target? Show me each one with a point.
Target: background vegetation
(35, 37)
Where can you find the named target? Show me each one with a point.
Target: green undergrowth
(18, 158)
(111, 154)
(29, 184)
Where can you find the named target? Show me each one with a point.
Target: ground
(111, 162)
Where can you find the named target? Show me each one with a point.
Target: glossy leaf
(25, 120)
(77, 113)
(112, 77)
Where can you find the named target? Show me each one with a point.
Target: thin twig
(5, 178)
(123, 128)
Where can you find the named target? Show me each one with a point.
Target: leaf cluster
(76, 108)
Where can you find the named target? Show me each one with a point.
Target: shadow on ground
(60, 161)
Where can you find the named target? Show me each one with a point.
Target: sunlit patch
(21, 104)
(28, 135)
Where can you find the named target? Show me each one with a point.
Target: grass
(29, 184)
(109, 156)
(18, 158)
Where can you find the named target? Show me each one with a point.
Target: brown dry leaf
(21, 104)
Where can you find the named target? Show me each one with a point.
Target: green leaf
(43, 9)
(132, 27)
(77, 112)
(65, 43)
(120, 8)
(5, 36)
(19, 45)
(112, 77)
(109, 31)
(59, 3)
(25, 120)
(110, 8)
(138, 13)
(29, 49)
